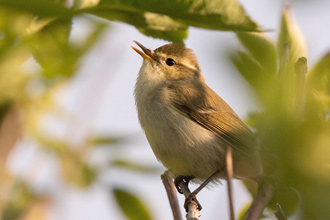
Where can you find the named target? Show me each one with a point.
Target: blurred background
(82, 151)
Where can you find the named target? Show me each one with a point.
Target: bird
(189, 126)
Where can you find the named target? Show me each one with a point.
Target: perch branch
(193, 211)
(171, 194)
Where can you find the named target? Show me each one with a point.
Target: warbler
(188, 126)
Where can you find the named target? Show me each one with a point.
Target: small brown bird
(188, 126)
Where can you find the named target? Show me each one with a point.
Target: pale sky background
(101, 100)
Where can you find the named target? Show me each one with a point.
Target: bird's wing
(206, 108)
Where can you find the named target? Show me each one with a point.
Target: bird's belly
(183, 146)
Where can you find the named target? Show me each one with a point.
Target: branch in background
(171, 194)
(279, 213)
(265, 193)
(229, 169)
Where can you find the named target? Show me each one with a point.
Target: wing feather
(202, 105)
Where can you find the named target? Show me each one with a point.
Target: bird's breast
(179, 143)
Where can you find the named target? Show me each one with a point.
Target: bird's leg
(192, 196)
(184, 179)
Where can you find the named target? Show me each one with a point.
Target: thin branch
(265, 193)
(171, 194)
(279, 213)
(230, 176)
(193, 211)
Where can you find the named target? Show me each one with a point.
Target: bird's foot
(184, 179)
(192, 199)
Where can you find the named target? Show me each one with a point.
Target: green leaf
(56, 59)
(61, 56)
(131, 205)
(290, 34)
(13, 54)
(173, 36)
(262, 50)
(164, 27)
(43, 8)
(75, 170)
(19, 200)
(318, 80)
(212, 14)
(87, 176)
(150, 24)
(106, 140)
(250, 70)
(136, 167)
(169, 19)
(243, 212)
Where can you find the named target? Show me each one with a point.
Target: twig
(193, 211)
(171, 194)
(229, 168)
(279, 213)
(265, 193)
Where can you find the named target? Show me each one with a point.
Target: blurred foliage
(131, 205)
(20, 198)
(38, 32)
(293, 127)
(168, 20)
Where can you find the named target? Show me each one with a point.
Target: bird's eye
(170, 62)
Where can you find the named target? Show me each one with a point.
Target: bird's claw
(192, 199)
(179, 179)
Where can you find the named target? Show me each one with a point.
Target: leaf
(262, 50)
(291, 34)
(212, 14)
(250, 70)
(243, 212)
(136, 167)
(20, 199)
(173, 36)
(56, 59)
(132, 207)
(106, 140)
(169, 19)
(60, 58)
(259, 65)
(76, 170)
(318, 80)
(43, 8)
(164, 27)
(150, 24)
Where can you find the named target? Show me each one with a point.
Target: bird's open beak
(147, 54)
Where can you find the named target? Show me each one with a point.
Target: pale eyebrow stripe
(192, 67)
